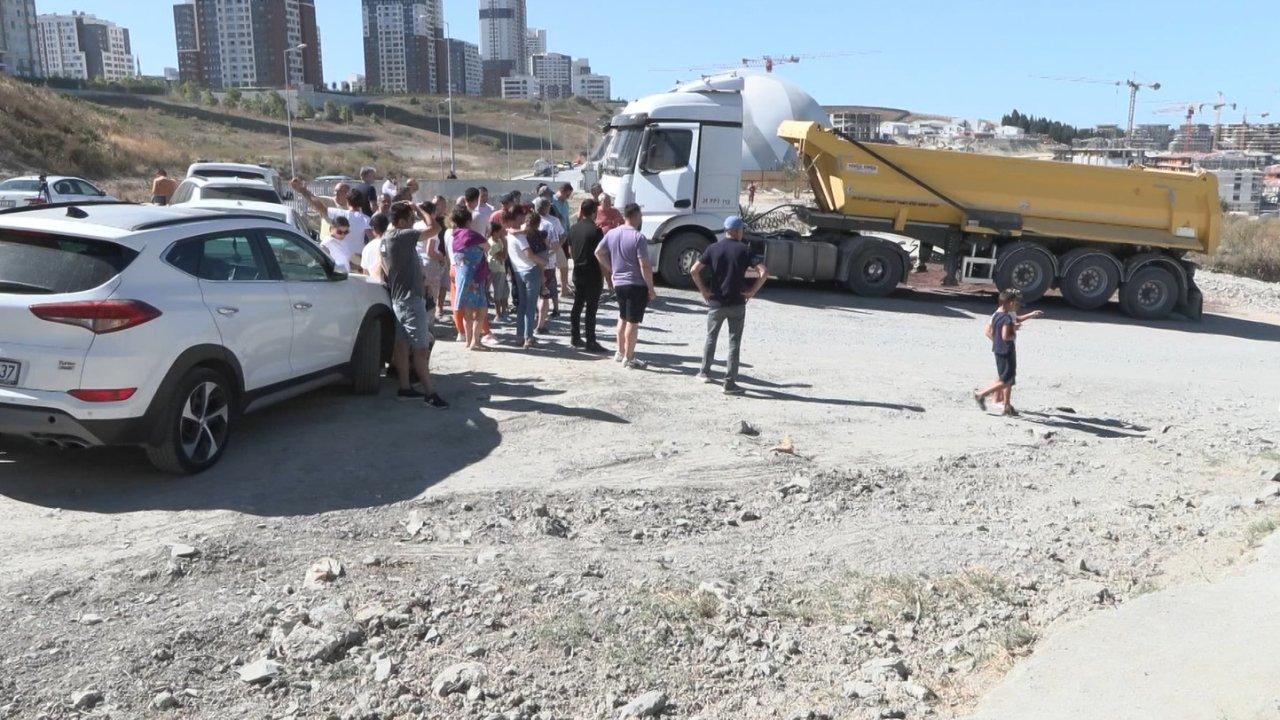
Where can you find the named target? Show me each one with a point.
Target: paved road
(1198, 652)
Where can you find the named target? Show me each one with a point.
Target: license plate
(9, 371)
(7, 203)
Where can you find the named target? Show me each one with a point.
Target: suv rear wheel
(196, 424)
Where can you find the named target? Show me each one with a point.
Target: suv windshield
(235, 192)
(42, 264)
(621, 146)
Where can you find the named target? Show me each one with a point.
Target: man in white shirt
(555, 236)
(371, 256)
(484, 209)
(356, 219)
(390, 188)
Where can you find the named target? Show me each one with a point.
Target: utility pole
(508, 146)
(1134, 87)
(551, 143)
(440, 135)
(448, 64)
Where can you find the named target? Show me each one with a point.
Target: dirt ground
(577, 540)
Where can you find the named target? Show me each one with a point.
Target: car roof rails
(68, 204)
(211, 215)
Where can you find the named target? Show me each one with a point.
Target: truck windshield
(621, 147)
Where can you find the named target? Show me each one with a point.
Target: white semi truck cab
(679, 156)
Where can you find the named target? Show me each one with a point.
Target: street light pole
(288, 114)
(448, 64)
(551, 143)
(508, 147)
(440, 135)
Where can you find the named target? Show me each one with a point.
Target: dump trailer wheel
(1028, 269)
(875, 271)
(678, 256)
(1090, 282)
(1150, 294)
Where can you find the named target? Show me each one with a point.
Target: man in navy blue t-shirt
(728, 260)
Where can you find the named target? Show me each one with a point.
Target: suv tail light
(113, 395)
(97, 316)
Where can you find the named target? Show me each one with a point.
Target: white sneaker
(636, 364)
(704, 377)
(618, 357)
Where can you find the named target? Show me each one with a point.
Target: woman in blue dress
(471, 276)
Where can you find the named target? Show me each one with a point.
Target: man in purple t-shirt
(624, 260)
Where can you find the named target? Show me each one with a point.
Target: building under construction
(1251, 138)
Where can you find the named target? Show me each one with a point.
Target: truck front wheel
(1089, 283)
(1028, 269)
(678, 256)
(1150, 294)
(875, 271)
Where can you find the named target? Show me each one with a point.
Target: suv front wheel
(196, 424)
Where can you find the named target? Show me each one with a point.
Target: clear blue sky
(971, 59)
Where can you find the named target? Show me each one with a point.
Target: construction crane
(1133, 85)
(1191, 108)
(1217, 117)
(768, 62)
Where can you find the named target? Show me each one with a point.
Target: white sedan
(26, 190)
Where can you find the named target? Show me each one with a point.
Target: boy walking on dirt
(1002, 330)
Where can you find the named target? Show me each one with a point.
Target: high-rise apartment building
(554, 72)
(246, 43)
(464, 63)
(19, 43)
(84, 47)
(503, 37)
(535, 43)
(190, 67)
(588, 84)
(400, 44)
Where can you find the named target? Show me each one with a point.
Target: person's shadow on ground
(328, 450)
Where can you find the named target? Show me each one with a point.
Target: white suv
(136, 325)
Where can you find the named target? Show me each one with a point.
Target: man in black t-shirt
(364, 192)
(584, 237)
(728, 260)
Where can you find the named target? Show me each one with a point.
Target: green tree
(234, 97)
(209, 99)
(306, 110)
(331, 113)
(346, 115)
(273, 105)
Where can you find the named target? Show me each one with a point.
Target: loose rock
(259, 671)
(648, 705)
(459, 679)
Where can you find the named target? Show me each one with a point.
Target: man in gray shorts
(403, 269)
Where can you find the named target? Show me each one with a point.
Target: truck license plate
(9, 371)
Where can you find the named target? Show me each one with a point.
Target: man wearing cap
(728, 260)
(623, 255)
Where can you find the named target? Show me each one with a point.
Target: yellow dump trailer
(1020, 223)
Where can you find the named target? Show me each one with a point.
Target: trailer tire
(1150, 293)
(1028, 268)
(678, 256)
(1090, 281)
(875, 271)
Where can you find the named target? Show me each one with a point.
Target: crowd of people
(514, 262)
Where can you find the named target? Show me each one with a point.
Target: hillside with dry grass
(118, 139)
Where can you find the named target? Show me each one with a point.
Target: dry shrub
(1250, 247)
